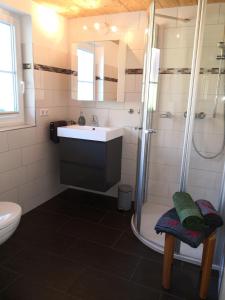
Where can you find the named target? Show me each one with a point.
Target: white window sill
(15, 127)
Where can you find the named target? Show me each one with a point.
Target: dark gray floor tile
(96, 285)
(25, 289)
(96, 201)
(184, 283)
(10, 248)
(79, 242)
(191, 273)
(37, 219)
(75, 208)
(54, 271)
(103, 258)
(118, 220)
(165, 296)
(46, 240)
(6, 278)
(90, 231)
(130, 244)
(213, 288)
(148, 273)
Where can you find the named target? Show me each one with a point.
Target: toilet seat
(10, 214)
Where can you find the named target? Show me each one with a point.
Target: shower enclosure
(182, 134)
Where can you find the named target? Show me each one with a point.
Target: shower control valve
(201, 115)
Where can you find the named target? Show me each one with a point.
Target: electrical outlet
(43, 112)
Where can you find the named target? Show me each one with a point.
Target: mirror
(98, 70)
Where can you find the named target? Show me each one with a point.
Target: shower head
(173, 18)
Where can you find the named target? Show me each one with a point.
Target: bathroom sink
(101, 134)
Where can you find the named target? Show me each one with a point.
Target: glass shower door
(205, 172)
(165, 103)
(184, 103)
(149, 92)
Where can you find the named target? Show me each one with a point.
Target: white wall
(50, 37)
(28, 161)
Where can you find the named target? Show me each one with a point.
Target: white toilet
(10, 214)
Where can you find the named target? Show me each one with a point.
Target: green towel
(188, 211)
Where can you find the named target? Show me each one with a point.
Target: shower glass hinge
(149, 131)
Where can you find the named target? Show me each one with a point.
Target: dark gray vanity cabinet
(90, 164)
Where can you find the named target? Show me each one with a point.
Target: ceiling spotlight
(85, 27)
(97, 26)
(146, 30)
(114, 28)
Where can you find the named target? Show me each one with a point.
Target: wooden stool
(206, 266)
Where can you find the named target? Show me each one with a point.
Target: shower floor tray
(151, 212)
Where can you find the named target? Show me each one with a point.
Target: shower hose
(214, 115)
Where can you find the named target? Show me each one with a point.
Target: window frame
(14, 118)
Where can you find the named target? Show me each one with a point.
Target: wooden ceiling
(174, 3)
(84, 8)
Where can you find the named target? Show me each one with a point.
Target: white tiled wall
(28, 161)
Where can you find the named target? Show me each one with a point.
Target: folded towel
(209, 213)
(170, 223)
(188, 212)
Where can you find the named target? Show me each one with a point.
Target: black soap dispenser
(81, 120)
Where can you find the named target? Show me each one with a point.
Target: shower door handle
(150, 131)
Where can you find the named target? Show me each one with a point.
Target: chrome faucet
(94, 121)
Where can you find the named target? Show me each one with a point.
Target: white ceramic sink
(101, 134)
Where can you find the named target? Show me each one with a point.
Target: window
(85, 84)
(11, 100)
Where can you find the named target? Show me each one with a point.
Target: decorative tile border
(134, 71)
(175, 71)
(40, 67)
(107, 79)
(216, 71)
(220, 57)
(50, 69)
(27, 66)
(188, 71)
(55, 69)
(178, 71)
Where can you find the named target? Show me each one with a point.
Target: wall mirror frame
(98, 70)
